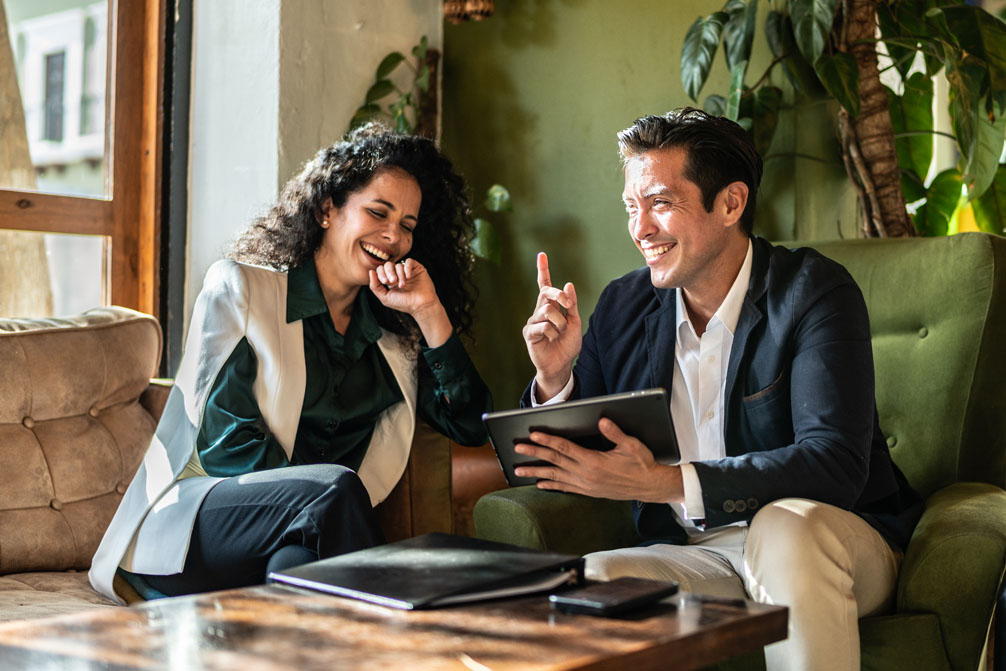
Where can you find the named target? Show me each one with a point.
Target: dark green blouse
(349, 384)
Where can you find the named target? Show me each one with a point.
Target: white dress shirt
(698, 391)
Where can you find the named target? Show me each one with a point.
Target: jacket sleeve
(215, 361)
(233, 438)
(452, 395)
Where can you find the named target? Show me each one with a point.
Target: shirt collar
(729, 311)
(304, 298)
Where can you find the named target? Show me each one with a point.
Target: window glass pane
(58, 51)
(51, 274)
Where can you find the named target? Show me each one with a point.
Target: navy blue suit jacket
(800, 417)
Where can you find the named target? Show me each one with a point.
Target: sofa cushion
(29, 595)
(72, 431)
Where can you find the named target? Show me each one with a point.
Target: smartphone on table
(615, 597)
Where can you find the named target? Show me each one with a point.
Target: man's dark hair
(719, 152)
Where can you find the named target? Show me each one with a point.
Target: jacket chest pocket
(769, 414)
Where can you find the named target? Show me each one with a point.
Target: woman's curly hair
(290, 232)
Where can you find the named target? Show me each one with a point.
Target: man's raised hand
(553, 333)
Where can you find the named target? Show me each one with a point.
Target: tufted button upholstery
(56, 374)
(892, 441)
(923, 332)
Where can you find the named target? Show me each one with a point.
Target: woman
(309, 354)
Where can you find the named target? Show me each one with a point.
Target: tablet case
(644, 414)
(435, 570)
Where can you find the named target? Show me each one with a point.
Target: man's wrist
(547, 387)
(669, 486)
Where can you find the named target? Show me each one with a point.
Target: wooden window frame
(131, 217)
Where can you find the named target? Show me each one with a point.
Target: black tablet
(645, 415)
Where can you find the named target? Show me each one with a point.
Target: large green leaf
(990, 207)
(912, 120)
(891, 29)
(912, 186)
(486, 243)
(738, 32)
(982, 36)
(964, 80)
(423, 80)
(979, 139)
(498, 199)
(698, 52)
(389, 63)
(419, 51)
(984, 163)
(379, 89)
(812, 21)
(779, 33)
(942, 199)
(840, 76)
(715, 105)
(767, 100)
(364, 114)
(736, 90)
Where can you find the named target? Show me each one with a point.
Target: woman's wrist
(434, 324)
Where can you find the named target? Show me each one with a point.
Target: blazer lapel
(660, 338)
(661, 335)
(751, 315)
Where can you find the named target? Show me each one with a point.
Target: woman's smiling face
(374, 225)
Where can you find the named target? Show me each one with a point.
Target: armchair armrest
(560, 522)
(954, 565)
(155, 396)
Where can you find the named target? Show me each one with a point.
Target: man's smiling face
(668, 223)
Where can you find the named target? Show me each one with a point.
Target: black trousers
(270, 520)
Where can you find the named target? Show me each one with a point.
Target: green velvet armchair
(938, 318)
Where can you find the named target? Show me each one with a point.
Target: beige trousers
(826, 564)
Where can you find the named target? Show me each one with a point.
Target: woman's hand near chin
(406, 287)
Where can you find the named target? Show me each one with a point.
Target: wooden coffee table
(271, 627)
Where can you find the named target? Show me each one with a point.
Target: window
(79, 165)
(53, 129)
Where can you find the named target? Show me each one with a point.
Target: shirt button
(438, 366)
(710, 415)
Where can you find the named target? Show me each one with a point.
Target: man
(785, 491)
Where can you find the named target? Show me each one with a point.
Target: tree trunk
(868, 140)
(426, 110)
(25, 289)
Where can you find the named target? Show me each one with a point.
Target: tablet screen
(645, 415)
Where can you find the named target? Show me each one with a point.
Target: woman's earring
(324, 224)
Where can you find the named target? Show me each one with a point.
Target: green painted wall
(533, 98)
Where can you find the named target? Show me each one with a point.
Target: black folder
(435, 570)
